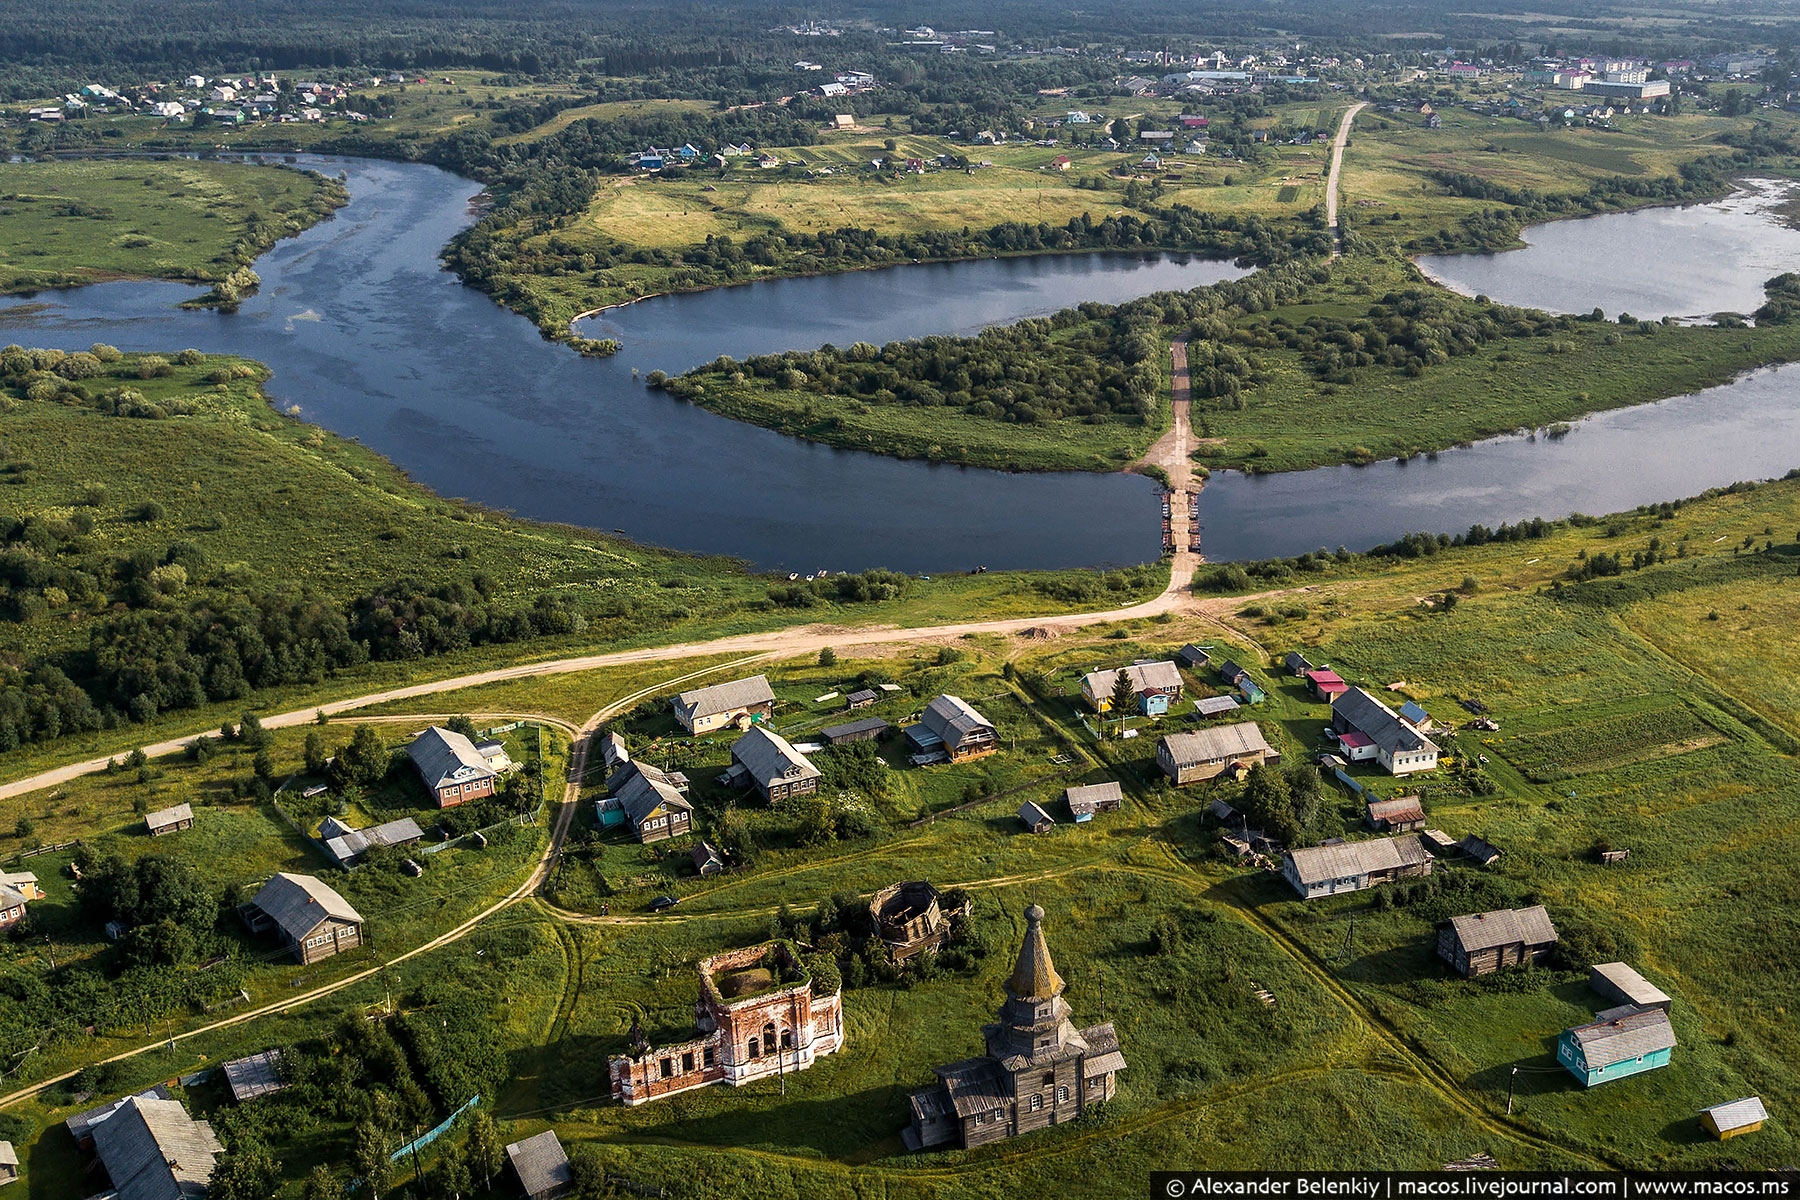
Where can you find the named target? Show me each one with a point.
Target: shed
(258, 1075)
(1402, 814)
(1479, 849)
(1622, 984)
(1326, 684)
(1192, 657)
(1739, 1116)
(865, 730)
(1212, 706)
(861, 699)
(169, 820)
(1439, 842)
(1230, 671)
(9, 1163)
(1296, 663)
(1035, 818)
(1413, 715)
(707, 860)
(1085, 801)
(542, 1166)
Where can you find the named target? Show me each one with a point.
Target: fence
(22, 855)
(425, 1139)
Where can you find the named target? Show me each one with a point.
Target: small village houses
(169, 820)
(1377, 732)
(312, 920)
(739, 704)
(1482, 943)
(949, 727)
(151, 1149)
(1154, 686)
(1093, 798)
(1355, 866)
(649, 800)
(452, 768)
(1402, 814)
(1209, 753)
(1623, 1041)
(770, 764)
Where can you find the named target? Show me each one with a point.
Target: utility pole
(1509, 1090)
(418, 1181)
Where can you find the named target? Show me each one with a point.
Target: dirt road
(1331, 180)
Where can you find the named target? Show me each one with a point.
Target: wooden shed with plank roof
(1734, 1118)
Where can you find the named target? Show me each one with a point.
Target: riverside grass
(64, 224)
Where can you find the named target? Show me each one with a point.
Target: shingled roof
(1144, 677)
(299, 904)
(952, 718)
(1633, 1035)
(1034, 976)
(164, 818)
(1504, 927)
(541, 1164)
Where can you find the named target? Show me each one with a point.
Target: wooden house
(347, 845)
(151, 1148)
(1230, 672)
(541, 1166)
(950, 728)
(861, 699)
(1296, 663)
(1734, 1118)
(773, 767)
(1479, 849)
(1092, 798)
(1250, 690)
(1035, 818)
(450, 766)
(1625, 1041)
(1482, 943)
(1621, 984)
(312, 920)
(169, 820)
(1039, 1070)
(651, 802)
(1402, 814)
(866, 730)
(1192, 657)
(739, 704)
(9, 1164)
(1208, 753)
(12, 906)
(1354, 866)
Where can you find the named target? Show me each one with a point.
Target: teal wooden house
(1250, 690)
(1624, 1041)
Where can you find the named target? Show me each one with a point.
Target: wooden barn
(1482, 943)
(1739, 1116)
(1403, 814)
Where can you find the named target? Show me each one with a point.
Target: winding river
(372, 340)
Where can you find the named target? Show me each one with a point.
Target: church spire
(1034, 977)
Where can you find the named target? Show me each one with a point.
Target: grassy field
(69, 223)
(1292, 419)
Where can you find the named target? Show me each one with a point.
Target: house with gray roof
(951, 727)
(1621, 1042)
(152, 1149)
(1086, 800)
(773, 767)
(1481, 943)
(12, 905)
(450, 767)
(310, 918)
(739, 703)
(651, 802)
(1354, 866)
(1209, 753)
(1399, 746)
(542, 1166)
(169, 820)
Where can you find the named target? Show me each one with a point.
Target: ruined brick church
(1039, 1069)
(757, 1016)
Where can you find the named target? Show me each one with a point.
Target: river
(1689, 262)
(372, 340)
